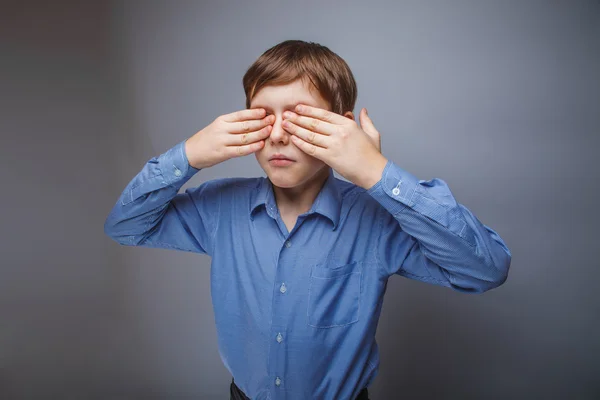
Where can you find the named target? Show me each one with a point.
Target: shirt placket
(279, 326)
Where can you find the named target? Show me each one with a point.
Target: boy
(300, 259)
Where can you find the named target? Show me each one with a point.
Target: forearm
(147, 195)
(452, 245)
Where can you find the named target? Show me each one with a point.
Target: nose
(278, 134)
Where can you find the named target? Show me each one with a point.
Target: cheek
(309, 167)
(259, 154)
(313, 163)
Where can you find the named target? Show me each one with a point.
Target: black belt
(236, 393)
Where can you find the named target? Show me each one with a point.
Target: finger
(321, 114)
(366, 124)
(250, 125)
(239, 151)
(307, 135)
(238, 139)
(308, 148)
(242, 115)
(313, 124)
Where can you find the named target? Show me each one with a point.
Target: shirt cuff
(396, 188)
(175, 166)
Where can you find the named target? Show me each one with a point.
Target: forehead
(287, 96)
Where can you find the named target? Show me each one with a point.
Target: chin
(290, 178)
(284, 179)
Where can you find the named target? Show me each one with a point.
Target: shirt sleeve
(428, 236)
(151, 213)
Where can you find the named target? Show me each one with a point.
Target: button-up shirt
(296, 311)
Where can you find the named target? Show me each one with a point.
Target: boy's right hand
(231, 135)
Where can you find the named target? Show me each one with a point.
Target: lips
(280, 157)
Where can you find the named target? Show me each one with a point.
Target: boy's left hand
(354, 152)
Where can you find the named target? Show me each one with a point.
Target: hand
(231, 135)
(354, 152)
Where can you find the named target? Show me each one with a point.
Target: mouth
(279, 160)
(280, 157)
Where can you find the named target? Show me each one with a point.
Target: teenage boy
(301, 259)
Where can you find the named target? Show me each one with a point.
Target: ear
(349, 114)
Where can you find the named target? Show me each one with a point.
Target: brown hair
(297, 59)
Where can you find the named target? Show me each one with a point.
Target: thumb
(367, 125)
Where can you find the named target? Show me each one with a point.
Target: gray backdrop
(500, 99)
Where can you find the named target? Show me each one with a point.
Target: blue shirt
(296, 312)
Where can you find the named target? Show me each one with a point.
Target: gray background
(500, 99)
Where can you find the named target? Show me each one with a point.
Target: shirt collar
(328, 202)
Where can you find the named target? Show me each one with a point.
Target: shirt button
(282, 289)
(288, 244)
(279, 338)
(278, 381)
(177, 172)
(396, 190)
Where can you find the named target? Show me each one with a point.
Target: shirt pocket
(334, 295)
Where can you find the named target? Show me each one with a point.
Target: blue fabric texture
(296, 311)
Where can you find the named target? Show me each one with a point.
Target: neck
(299, 199)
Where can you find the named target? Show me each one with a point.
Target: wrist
(190, 157)
(374, 172)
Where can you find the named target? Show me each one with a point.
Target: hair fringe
(290, 60)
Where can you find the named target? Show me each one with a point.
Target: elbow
(501, 267)
(478, 287)
(496, 273)
(496, 282)
(121, 233)
(109, 227)
(110, 230)
(497, 268)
